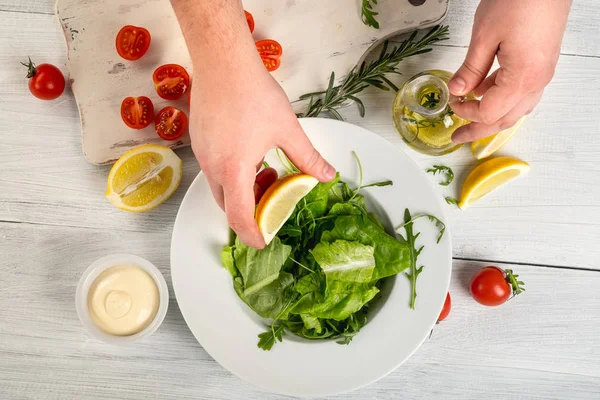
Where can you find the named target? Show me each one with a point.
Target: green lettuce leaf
(391, 255)
(345, 261)
(340, 301)
(317, 199)
(271, 300)
(228, 261)
(309, 283)
(260, 267)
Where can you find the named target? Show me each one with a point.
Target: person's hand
(526, 36)
(234, 122)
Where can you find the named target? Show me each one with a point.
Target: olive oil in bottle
(423, 116)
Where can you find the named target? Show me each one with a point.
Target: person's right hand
(234, 121)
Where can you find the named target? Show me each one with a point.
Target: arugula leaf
(442, 169)
(368, 15)
(345, 261)
(267, 339)
(379, 184)
(414, 272)
(451, 200)
(411, 239)
(438, 223)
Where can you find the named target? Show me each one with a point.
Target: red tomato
(258, 193)
(170, 123)
(249, 20)
(132, 42)
(270, 52)
(171, 81)
(46, 82)
(492, 286)
(446, 308)
(264, 179)
(137, 112)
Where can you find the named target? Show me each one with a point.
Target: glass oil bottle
(423, 116)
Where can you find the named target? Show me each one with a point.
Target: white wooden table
(54, 221)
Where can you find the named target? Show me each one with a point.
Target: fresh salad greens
(442, 169)
(368, 14)
(326, 266)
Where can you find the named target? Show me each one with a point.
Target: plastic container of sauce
(122, 298)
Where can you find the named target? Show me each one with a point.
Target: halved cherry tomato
(171, 123)
(132, 42)
(264, 179)
(171, 81)
(46, 82)
(446, 308)
(270, 52)
(249, 20)
(137, 112)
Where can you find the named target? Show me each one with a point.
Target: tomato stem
(30, 68)
(511, 278)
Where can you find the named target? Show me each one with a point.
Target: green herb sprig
(411, 239)
(369, 74)
(368, 14)
(442, 169)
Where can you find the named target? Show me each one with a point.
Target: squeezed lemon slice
(487, 146)
(488, 176)
(279, 201)
(143, 178)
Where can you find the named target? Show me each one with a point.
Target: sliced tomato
(137, 112)
(132, 42)
(170, 123)
(171, 81)
(249, 20)
(270, 52)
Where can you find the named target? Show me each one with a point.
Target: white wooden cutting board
(318, 36)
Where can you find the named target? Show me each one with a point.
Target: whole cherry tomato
(46, 82)
(492, 286)
(446, 308)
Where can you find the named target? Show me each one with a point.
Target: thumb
(304, 156)
(474, 69)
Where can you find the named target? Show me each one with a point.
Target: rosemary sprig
(370, 74)
(368, 14)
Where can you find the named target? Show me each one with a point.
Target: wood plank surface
(54, 221)
(539, 345)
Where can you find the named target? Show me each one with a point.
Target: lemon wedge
(487, 146)
(279, 201)
(143, 178)
(488, 176)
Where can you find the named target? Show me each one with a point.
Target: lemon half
(143, 178)
(279, 201)
(488, 176)
(487, 146)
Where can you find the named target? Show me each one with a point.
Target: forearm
(217, 35)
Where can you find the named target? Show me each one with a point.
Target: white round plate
(228, 329)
